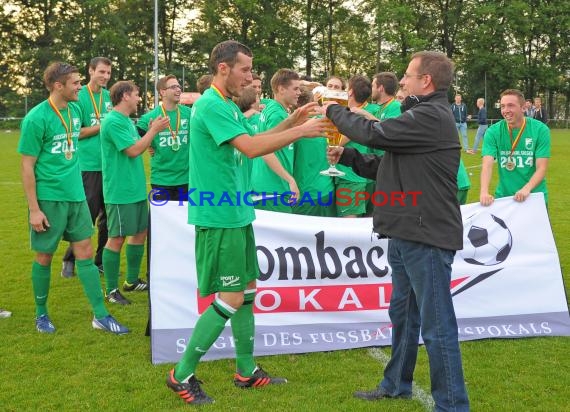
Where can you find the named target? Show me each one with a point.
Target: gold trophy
(333, 137)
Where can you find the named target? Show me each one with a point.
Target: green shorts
(128, 219)
(346, 203)
(70, 220)
(226, 259)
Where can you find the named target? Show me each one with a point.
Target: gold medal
(175, 146)
(510, 165)
(68, 154)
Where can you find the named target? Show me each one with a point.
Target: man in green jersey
(521, 146)
(226, 260)
(124, 188)
(169, 162)
(272, 173)
(384, 87)
(316, 191)
(56, 199)
(95, 103)
(351, 187)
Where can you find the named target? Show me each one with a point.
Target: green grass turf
(79, 368)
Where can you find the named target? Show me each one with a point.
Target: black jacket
(422, 155)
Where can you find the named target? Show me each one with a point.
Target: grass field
(81, 369)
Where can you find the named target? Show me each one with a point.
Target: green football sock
(134, 259)
(89, 276)
(40, 286)
(243, 330)
(111, 264)
(209, 326)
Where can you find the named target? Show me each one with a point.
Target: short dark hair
(227, 52)
(97, 60)
(161, 83)
(57, 72)
(255, 76)
(283, 77)
(119, 89)
(514, 92)
(246, 99)
(361, 88)
(204, 83)
(388, 80)
(438, 66)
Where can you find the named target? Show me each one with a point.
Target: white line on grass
(417, 392)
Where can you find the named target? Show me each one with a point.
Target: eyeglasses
(173, 87)
(418, 76)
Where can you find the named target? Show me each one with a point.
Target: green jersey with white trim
(44, 137)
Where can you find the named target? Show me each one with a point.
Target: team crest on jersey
(76, 123)
(528, 143)
(184, 123)
(108, 106)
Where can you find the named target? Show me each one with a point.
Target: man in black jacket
(425, 227)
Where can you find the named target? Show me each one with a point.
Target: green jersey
(350, 175)
(44, 137)
(534, 143)
(463, 182)
(310, 159)
(392, 108)
(124, 180)
(169, 167)
(93, 110)
(263, 178)
(218, 171)
(254, 122)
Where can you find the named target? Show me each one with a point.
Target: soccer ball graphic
(487, 240)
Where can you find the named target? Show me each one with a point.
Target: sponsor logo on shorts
(230, 281)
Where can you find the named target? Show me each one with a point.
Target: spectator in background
(528, 108)
(482, 124)
(540, 111)
(459, 110)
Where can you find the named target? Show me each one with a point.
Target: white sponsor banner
(325, 283)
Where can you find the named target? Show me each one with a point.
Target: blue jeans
(480, 133)
(421, 296)
(462, 130)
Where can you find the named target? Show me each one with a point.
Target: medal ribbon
(516, 141)
(217, 91)
(174, 134)
(385, 106)
(97, 109)
(68, 129)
